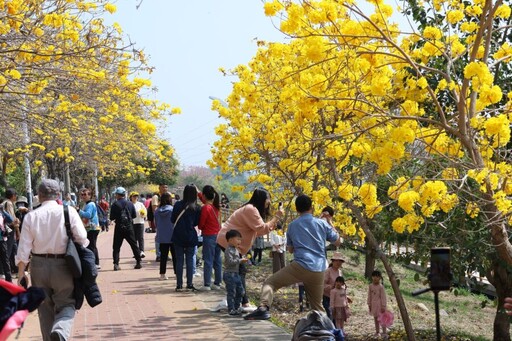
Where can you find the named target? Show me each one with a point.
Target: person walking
(12, 237)
(123, 212)
(89, 215)
(185, 217)
(105, 207)
(209, 224)
(138, 221)
(44, 237)
(155, 203)
(164, 231)
(305, 238)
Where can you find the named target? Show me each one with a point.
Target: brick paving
(137, 306)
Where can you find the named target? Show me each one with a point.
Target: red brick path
(137, 306)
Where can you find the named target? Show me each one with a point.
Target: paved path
(137, 306)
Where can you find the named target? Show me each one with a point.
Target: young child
(258, 246)
(377, 300)
(339, 303)
(232, 280)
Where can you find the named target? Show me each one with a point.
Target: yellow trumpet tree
(76, 86)
(351, 99)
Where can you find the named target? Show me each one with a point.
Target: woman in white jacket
(278, 241)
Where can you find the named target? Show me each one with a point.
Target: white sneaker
(142, 255)
(98, 266)
(217, 287)
(248, 309)
(223, 305)
(197, 274)
(205, 288)
(163, 277)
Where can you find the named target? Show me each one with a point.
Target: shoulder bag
(72, 258)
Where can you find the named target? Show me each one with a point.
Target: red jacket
(209, 219)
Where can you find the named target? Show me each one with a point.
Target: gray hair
(48, 189)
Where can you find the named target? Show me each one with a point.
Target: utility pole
(28, 174)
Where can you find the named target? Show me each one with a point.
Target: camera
(440, 276)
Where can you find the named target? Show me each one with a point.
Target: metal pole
(96, 191)
(28, 175)
(67, 180)
(438, 322)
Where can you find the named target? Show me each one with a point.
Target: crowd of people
(180, 227)
(39, 238)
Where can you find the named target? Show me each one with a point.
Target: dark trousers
(326, 302)
(164, 255)
(119, 236)
(257, 255)
(12, 248)
(4, 260)
(138, 229)
(92, 235)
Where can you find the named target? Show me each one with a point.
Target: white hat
(337, 256)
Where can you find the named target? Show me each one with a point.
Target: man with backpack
(123, 212)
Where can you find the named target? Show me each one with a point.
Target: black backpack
(316, 326)
(125, 221)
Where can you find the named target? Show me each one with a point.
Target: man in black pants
(120, 211)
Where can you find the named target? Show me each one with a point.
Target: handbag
(72, 258)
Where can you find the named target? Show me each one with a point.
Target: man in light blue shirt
(306, 239)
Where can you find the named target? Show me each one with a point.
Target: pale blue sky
(187, 42)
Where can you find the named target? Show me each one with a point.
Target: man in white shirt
(44, 238)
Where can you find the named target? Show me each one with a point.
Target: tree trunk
(372, 242)
(369, 260)
(501, 277)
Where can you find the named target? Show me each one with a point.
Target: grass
(464, 318)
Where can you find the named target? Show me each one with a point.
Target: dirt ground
(474, 324)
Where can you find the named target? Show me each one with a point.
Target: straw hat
(337, 256)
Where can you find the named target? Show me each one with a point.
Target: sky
(187, 42)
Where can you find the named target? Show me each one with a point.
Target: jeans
(212, 260)
(234, 290)
(92, 235)
(243, 271)
(138, 229)
(185, 254)
(157, 248)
